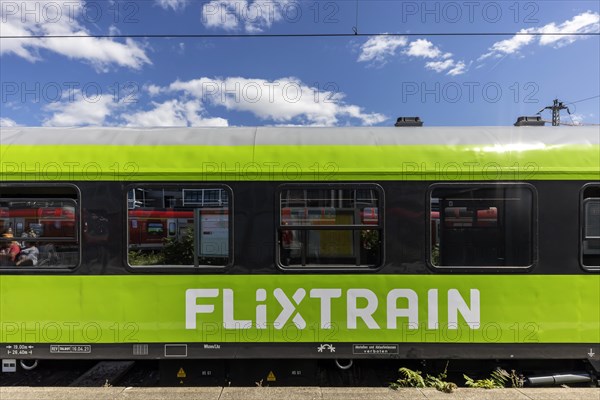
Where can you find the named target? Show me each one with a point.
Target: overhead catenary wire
(586, 99)
(289, 35)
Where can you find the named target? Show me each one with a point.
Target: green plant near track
(439, 382)
(498, 379)
(410, 378)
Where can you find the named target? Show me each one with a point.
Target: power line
(579, 101)
(290, 35)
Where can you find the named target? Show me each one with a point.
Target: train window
(590, 227)
(39, 227)
(338, 226)
(482, 226)
(178, 226)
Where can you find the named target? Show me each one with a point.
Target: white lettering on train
(361, 304)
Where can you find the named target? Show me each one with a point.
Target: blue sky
(332, 81)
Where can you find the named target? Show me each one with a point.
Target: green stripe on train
(301, 308)
(291, 163)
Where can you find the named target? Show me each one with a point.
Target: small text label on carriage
(360, 304)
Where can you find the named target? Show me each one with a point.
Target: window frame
(173, 268)
(77, 228)
(330, 267)
(479, 268)
(587, 268)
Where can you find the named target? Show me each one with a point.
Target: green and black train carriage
(301, 243)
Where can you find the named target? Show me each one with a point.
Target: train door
(214, 233)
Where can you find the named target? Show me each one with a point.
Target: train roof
(257, 136)
(300, 153)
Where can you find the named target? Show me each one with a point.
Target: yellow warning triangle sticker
(181, 373)
(271, 377)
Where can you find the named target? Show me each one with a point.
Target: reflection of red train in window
(462, 217)
(457, 217)
(148, 229)
(328, 215)
(45, 222)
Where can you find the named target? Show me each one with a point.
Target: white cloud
(577, 119)
(61, 18)
(7, 123)
(509, 46)
(153, 90)
(587, 22)
(439, 66)
(285, 100)
(175, 5)
(424, 48)
(459, 68)
(580, 119)
(251, 16)
(453, 67)
(184, 103)
(80, 110)
(100, 52)
(220, 14)
(173, 113)
(378, 48)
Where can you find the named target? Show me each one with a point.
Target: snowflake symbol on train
(322, 348)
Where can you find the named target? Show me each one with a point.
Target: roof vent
(409, 121)
(536, 120)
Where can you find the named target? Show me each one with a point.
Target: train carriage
(302, 243)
